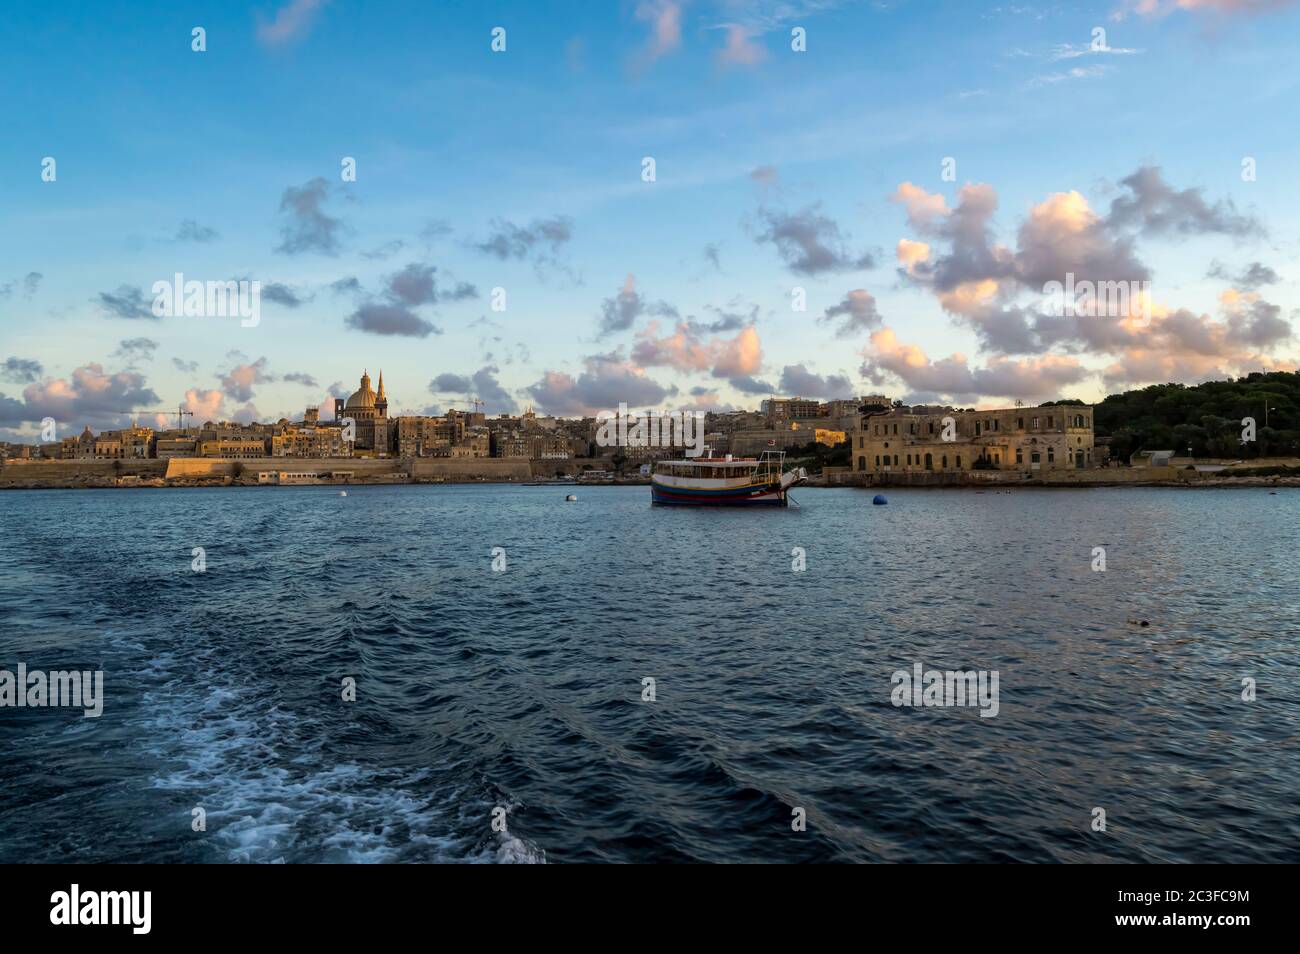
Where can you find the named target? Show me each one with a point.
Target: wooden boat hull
(761, 495)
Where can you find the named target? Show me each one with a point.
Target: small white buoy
(343, 493)
(570, 498)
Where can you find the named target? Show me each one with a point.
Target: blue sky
(522, 170)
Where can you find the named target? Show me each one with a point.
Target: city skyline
(923, 217)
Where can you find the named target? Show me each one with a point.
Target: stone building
(129, 443)
(176, 444)
(532, 445)
(310, 440)
(941, 439)
(368, 411)
(232, 446)
(423, 436)
(790, 409)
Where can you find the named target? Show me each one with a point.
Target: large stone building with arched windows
(908, 440)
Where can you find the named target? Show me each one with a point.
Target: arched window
(862, 463)
(929, 462)
(945, 462)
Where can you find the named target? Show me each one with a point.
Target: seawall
(195, 471)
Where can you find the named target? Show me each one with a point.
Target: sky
(664, 203)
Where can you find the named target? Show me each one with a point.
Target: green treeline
(1207, 417)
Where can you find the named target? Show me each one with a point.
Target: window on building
(977, 428)
(1051, 455)
(1035, 423)
(929, 462)
(895, 460)
(959, 462)
(862, 463)
(895, 428)
(877, 460)
(1034, 457)
(1020, 423)
(1020, 455)
(932, 427)
(944, 462)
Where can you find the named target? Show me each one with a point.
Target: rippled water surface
(523, 689)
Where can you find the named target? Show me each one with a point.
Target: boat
(724, 481)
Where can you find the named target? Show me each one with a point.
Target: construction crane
(180, 413)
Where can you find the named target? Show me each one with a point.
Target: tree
(1207, 416)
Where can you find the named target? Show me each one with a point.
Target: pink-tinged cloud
(741, 356)
(681, 349)
(606, 381)
(925, 210)
(685, 350)
(953, 379)
(740, 48)
(238, 382)
(1159, 8)
(90, 396)
(291, 21)
(205, 405)
(665, 19)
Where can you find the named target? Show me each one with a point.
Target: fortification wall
(470, 468)
(62, 471)
(571, 467)
(197, 467)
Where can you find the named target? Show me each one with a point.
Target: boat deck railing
(766, 470)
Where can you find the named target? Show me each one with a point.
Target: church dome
(363, 397)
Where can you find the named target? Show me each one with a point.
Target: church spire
(381, 384)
